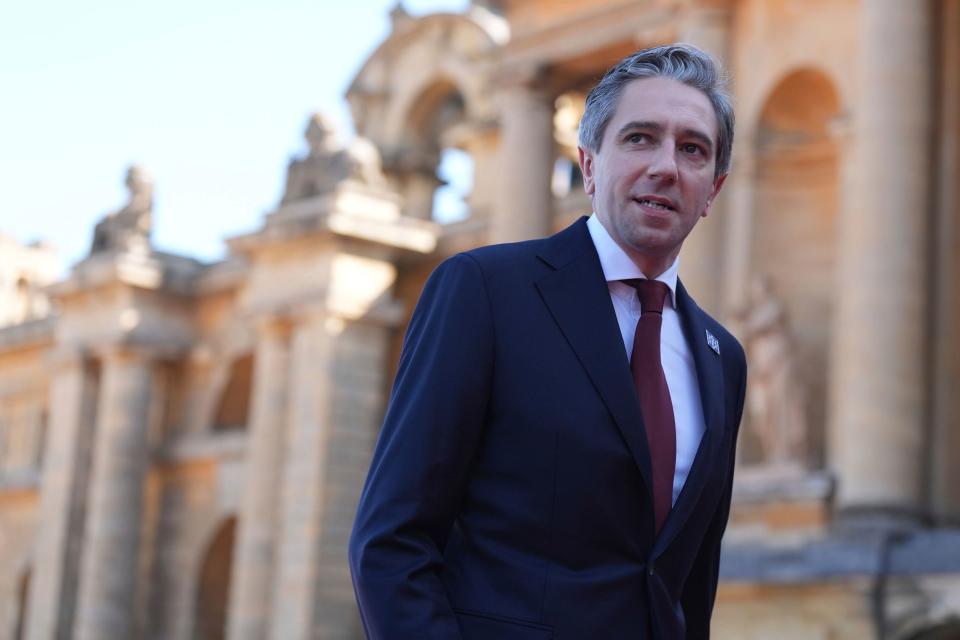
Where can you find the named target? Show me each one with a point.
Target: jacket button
(650, 570)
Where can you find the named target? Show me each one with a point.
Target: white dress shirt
(675, 353)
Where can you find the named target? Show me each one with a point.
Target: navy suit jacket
(509, 493)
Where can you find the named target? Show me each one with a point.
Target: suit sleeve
(420, 463)
(700, 589)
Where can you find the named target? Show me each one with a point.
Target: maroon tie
(651, 385)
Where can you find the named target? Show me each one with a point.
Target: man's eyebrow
(656, 127)
(639, 124)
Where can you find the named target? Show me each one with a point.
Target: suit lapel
(710, 383)
(579, 300)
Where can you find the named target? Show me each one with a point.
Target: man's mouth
(654, 204)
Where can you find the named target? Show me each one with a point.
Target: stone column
(66, 464)
(251, 594)
(111, 552)
(702, 258)
(524, 206)
(482, 144)
(419, 186)
(879, 376)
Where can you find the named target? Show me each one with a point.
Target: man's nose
(663, 164)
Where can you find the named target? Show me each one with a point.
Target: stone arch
(437, 108)
(213, 361)
(795, 213)
(233, 405)
(434, 123)
(418, 53)
(213, 583)
(428, 89)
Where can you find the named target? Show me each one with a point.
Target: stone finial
(399, 16)
(128, 228)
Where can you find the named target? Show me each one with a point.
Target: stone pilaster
(111, 550)
(524, 205)
(251, 596)
(338, 394)
(303, 490)
(879, 381)
(63, 486)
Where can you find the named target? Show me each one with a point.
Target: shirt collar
(617, 265)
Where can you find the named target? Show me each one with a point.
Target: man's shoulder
(513, 259)
(512, 253)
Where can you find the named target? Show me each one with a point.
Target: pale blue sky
(211, 96)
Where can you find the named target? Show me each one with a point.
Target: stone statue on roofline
(128, 228)
(775, 391)
(329, 162)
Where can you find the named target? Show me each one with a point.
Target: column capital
(66, 356)
(388, 313)
(274, 324)
(123, 352)
(531, 76)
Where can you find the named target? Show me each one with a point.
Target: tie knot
(652, 294)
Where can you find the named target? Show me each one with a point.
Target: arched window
(234, 405)
(22, 300)
(213, 588)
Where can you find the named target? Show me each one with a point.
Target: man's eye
(691, 149)
(637, 138)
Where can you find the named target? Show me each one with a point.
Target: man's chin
(653, 241)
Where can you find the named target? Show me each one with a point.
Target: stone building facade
(182, 445)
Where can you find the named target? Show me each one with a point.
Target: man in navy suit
(557, 457)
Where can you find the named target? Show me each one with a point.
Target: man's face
(653, 175)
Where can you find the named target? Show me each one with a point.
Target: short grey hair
(681, 62)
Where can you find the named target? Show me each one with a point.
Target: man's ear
(717, 184)
(586, 170)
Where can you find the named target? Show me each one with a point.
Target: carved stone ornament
(128, 228)
(329, 162)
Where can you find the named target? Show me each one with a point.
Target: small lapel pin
(713, 342)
